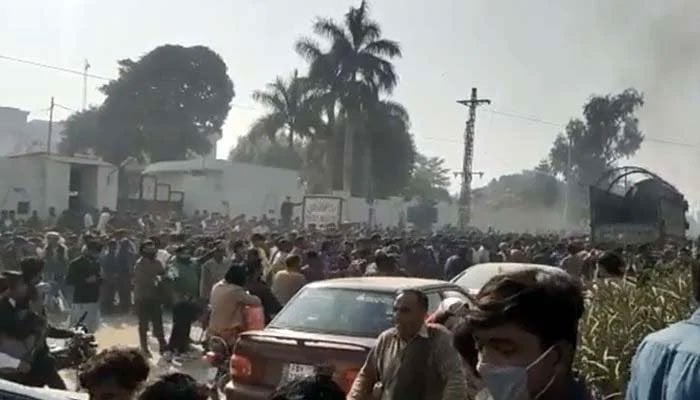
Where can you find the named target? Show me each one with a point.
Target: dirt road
(122, 331)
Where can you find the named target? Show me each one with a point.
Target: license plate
(211, 373)
(297, 371)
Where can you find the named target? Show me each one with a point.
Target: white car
(14, 391)
(475, 277)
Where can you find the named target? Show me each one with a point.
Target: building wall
(44, 182)
(107, 187)
(388, 212)
(57, 189)
(239, 188)
(17, 135)
(12, 124)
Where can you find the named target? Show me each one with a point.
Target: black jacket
(79, 270)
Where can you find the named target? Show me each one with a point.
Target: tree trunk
(291, 140)
(330, 152)
(348, 151)
(329, 164)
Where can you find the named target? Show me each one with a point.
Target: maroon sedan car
(329, 325)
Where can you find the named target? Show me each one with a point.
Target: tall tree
(81, 133)
(356, 66)
(265, 152)
(430, 179)
(293, 110)
(608, 132)
(163, 106)
(388, 151)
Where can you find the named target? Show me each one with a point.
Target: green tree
(389, 151)
(81, 132)
(293, 110)
(265, 152)
(430, 179)
(608, 132)
(355, 67)
(161, 107)
(530, 190)
(544, 167)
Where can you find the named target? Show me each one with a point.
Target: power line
(84, 74)
(253, 108)
(65, 108)
(524, 117)
(53, 67)
(545, 122)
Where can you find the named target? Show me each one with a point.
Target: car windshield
(338, 311)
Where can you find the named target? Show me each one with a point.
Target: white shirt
(87, 221)
(279, 257)
(482, 255)
(163, 256)
(102, 222)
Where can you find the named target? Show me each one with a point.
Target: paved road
(122, 331)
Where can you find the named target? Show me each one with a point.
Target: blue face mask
(508, 382)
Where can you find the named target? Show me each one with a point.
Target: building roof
(185, 166)
(65, 159)
(203, 165)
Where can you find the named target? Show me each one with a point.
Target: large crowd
(517, 339)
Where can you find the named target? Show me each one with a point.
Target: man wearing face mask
(525, 325)
(413, 361)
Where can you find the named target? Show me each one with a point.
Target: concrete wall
(20, 180)
(388, 212)
(57, 187)
(44, 183)
(239, 188)
(107, 187)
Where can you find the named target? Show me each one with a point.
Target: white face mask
(508, 382)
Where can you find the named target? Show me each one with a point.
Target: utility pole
(85, 77)
(465, 199)
(48, 143)
(567, 194)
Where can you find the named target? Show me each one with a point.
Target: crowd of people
(517, 339)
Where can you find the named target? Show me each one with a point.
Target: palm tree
(354, 70)
(391, 152)
(293, 110)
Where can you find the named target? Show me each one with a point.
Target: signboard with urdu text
(322, 211)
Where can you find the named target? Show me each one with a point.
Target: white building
(227, 187)
(17, 135)
(234, 188)
(46, 181)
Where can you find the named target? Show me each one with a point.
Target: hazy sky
(533, 58)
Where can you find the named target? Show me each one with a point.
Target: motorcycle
(218, 375)
(76, 350)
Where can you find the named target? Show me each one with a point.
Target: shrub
(619, 314)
